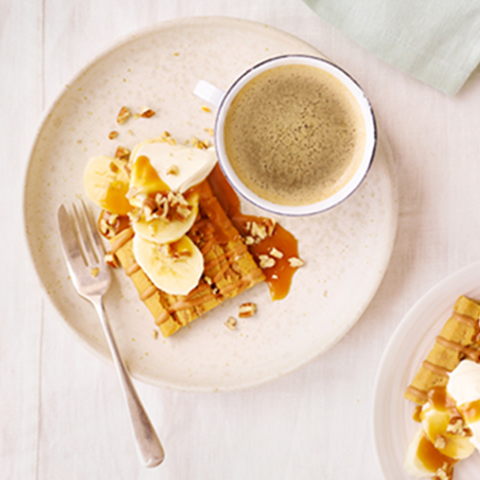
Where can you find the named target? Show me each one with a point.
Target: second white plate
(393, 426)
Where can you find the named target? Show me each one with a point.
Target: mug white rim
(367, 113)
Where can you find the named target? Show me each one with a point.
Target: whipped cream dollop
(179, 166)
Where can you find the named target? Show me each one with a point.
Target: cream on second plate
(451, 427)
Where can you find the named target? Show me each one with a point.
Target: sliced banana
(175, 268)
(435, 423)
(106, 184)
(160, 230)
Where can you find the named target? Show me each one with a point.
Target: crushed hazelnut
(154, 334)
(296, 262)
(123, 115)
(246, 310)
(265, 261)
(122, 153)
(113, 134)
(208, 280)
(147, 113)
(210, 131)
(231, 323)
(94, 272)
(276, 253)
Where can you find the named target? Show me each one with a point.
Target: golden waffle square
(229, 269)
(458, 339)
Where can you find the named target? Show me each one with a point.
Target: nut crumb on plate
(231, 323)
(123, 115)
(296, 262)
(246, 310)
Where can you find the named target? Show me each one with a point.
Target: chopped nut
(113, 134)
(270, 225)
(276, 253)
(122, 153)
(440, 442)
(444, 473)
(265, 261)
(173, 170)
(155, 334)
(194, 141)
(123, 115)
(94, 272)
(296, 262)
(249, 240)
(105, 229)
(231, 323)
(202, 145)
(111, 260)
(210, 131)
(147, 113)
(206, 109)
(259, 231)
(455, 426)
(246, 310)
(112, 219)
(208, 280)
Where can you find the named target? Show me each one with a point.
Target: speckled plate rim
(391, 421)
(138, 375)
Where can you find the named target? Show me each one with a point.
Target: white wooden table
(61, 412)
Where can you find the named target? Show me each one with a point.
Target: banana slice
(175, 268)
(106, 184)
(435, 425)
(160, 230)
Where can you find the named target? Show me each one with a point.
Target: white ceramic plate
(393, 427)
(347, 249)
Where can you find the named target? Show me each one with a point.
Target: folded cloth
(437, 41)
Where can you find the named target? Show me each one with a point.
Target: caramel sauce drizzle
(441, 371)
(417, 392)
(467, 351)
(431, 457)
(278, 277)
(465, 319)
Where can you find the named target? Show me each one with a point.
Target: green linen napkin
(437, 41)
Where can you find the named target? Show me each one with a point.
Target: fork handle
(148, 444)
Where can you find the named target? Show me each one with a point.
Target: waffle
(458, 339)
(229, 269)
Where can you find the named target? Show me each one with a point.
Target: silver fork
(90, 274)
